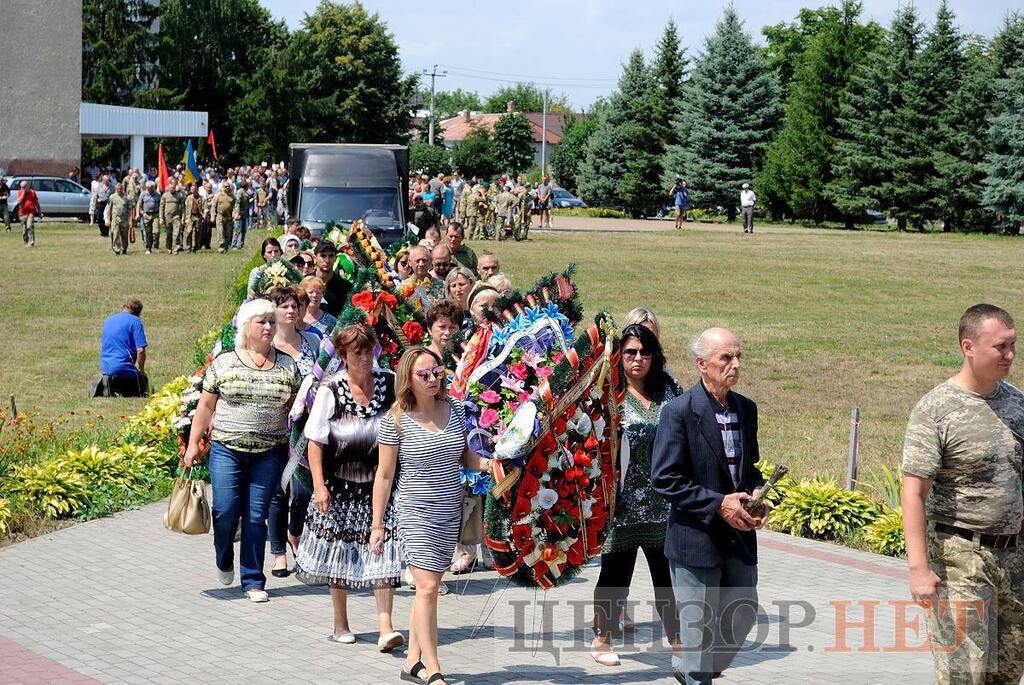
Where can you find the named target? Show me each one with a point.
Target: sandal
(413, 674)
(436, 677)
(464, 564)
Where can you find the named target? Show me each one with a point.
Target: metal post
(544, 137)
(851, 464)
(137, 149)
(433, 75)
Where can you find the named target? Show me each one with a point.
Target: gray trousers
(28, 233)
(717, 609)
(748, 218)
(5, 214)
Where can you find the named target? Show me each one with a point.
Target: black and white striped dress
(429, 499)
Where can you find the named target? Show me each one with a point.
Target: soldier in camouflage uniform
(472, 221)
(223, 207)
(148, 207)
(504, 216)
(962, 509)
(195, 211)
(172, 207)
(120, 216)
(132, 189)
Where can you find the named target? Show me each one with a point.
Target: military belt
(985, 539)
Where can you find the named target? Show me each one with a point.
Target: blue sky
(578, 46)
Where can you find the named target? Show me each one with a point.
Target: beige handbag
(188, 509)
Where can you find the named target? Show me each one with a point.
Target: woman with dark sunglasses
(641, 515)
(423, 440)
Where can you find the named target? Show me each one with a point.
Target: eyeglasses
(427, 374)
(306, 262)
(633, 353)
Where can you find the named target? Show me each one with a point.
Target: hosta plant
(52, 486)
(823, 509)
(885, 534)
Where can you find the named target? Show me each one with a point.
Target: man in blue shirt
(681, 199)
(123, 351)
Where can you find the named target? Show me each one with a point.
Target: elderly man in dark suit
(704, 465)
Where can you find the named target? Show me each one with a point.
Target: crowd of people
(487, 209)
(190, 214)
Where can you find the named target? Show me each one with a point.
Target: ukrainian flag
(191, 174)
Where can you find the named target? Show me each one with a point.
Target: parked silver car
(57, 196)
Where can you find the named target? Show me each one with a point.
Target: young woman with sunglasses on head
(423, 438)
(641, 515)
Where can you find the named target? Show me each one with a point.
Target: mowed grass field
(827, 319)
(54, 297)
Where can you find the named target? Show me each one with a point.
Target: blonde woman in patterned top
(246, 394)
(641, 515)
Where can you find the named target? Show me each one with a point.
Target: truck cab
(340, 183)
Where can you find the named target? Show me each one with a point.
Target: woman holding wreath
(342, 432)
(641, 515)
(423, 439)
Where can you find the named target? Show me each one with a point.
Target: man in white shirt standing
(747, 201)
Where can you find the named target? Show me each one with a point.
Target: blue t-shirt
(682, 196)
(123, 334)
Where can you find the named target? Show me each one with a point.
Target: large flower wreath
(545, 408)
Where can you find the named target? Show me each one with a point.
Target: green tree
(959, 97)
(622, 165)
(787, 43)
(798, 164)
(525, 97)
(262, 127)
(572, 149)
(474, 155)
(669, 70)
(429, 159)
(513, 143)
(353, 89)
(884, 158)
(1008, 45)
(448, 103)
(210, 51)
(729, 112)
(119, 53)
(1004, 184)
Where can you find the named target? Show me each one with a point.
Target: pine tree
(958, 100)
(572, 149)
(884, 158)
(622, 165)
(1004, 185)
(513, 143)
(1008, 45)
(798, 164)
(729, 110)
(669, 70)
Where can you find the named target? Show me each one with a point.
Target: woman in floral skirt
(342, 432)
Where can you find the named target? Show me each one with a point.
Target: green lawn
(828, 319)
(56, 295)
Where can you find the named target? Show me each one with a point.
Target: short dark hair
(282, 294)
(134, 305)
(458, 227)
(657, 379)
(269, 241)
(975, 317)
(358, 336)
(326, 246)
(445, 309)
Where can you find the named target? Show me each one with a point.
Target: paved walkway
(582, 224)
(121, 600)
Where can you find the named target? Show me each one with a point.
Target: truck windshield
(373, 205)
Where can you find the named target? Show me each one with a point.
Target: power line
(536, 83)
(523, 76)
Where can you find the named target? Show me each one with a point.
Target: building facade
(40, 50)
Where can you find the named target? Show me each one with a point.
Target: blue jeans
(243, 483)
(238, 237)
(717, 609)
(287, 516)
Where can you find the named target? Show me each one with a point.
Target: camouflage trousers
(977, 631)
(173, 232)
(472, 226)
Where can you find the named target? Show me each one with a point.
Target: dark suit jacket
(689, 470)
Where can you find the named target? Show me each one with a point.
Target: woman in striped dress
(423, 438)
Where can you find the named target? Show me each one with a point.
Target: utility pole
(544, 138)
(433, 74)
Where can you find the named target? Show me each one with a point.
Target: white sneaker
(226, 577)
(149, 252)
(257, 595)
